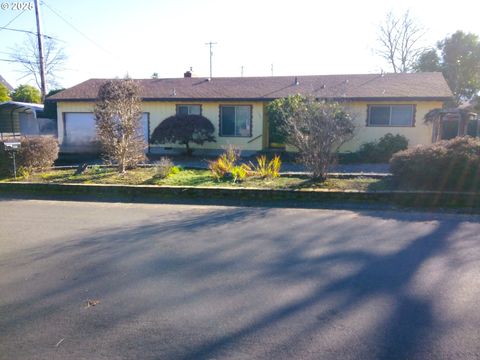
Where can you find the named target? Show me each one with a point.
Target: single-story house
(24, 119)
(236, 106)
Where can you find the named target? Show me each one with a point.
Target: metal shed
(19, 118)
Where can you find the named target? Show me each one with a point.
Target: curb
(153, 193)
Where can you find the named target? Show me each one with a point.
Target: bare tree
(315, 128)
(27, 57)
(118, 112)
(399, 41)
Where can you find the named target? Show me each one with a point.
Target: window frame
(369, 109)
(220, 128)
(177, 106)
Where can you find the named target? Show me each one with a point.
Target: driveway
(82, 280)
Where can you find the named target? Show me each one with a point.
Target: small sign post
(13, 146)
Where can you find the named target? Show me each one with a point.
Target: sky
(113, 38)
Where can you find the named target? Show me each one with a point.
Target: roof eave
(210, 99)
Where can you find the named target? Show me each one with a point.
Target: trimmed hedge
(378, 151)
(35, 153)
(38, 152)
(446, 165)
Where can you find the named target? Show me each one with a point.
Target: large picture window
(390, 115)
(236, 120)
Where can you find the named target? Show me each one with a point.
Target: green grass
(146, 176)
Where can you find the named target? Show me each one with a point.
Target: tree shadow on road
(186, 261)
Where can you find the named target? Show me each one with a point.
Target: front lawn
(147, 176)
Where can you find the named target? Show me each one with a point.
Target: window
(390, 115)
(236, 120)
(189, 110)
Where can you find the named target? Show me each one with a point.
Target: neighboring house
(24, 119)
(379, 103)
(4, 82)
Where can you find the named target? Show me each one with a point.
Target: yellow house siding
(63, 107)
(420, 133)
(211, 110)
(159, 111)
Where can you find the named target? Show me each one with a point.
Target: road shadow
(187, 263)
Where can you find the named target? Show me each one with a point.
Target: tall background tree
(28, 59)
(118, 113)
(4, 93)
(50, 107)
(458, 58)
(26, 93)
(399, 41)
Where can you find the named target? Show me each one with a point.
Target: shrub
(267, 169)
(184, 129)
(446, 165)
(224, 164)
(165, 168)
(240, 172)
(381, 150)
(175, 170)
(118, 112)
(37, 152)
(315, 128)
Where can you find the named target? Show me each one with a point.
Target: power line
(31, 62)
(29, 32)
(12, 20)
(74, 27)
(6, 53)
(18, 61)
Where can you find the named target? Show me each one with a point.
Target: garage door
(80, 128)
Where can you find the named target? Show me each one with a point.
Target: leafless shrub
(119, 132)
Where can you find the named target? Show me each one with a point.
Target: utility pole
(210, 44)
(40, 51)
(271, 69)
(241, 72)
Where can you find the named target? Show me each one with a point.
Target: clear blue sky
(168, 36)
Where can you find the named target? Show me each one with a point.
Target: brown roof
(421, 86)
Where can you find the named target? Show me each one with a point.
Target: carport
(19, 118)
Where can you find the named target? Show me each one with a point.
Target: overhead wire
(5, 26)
(57, 13)
(29, 32)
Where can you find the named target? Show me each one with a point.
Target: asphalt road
(192, 282)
